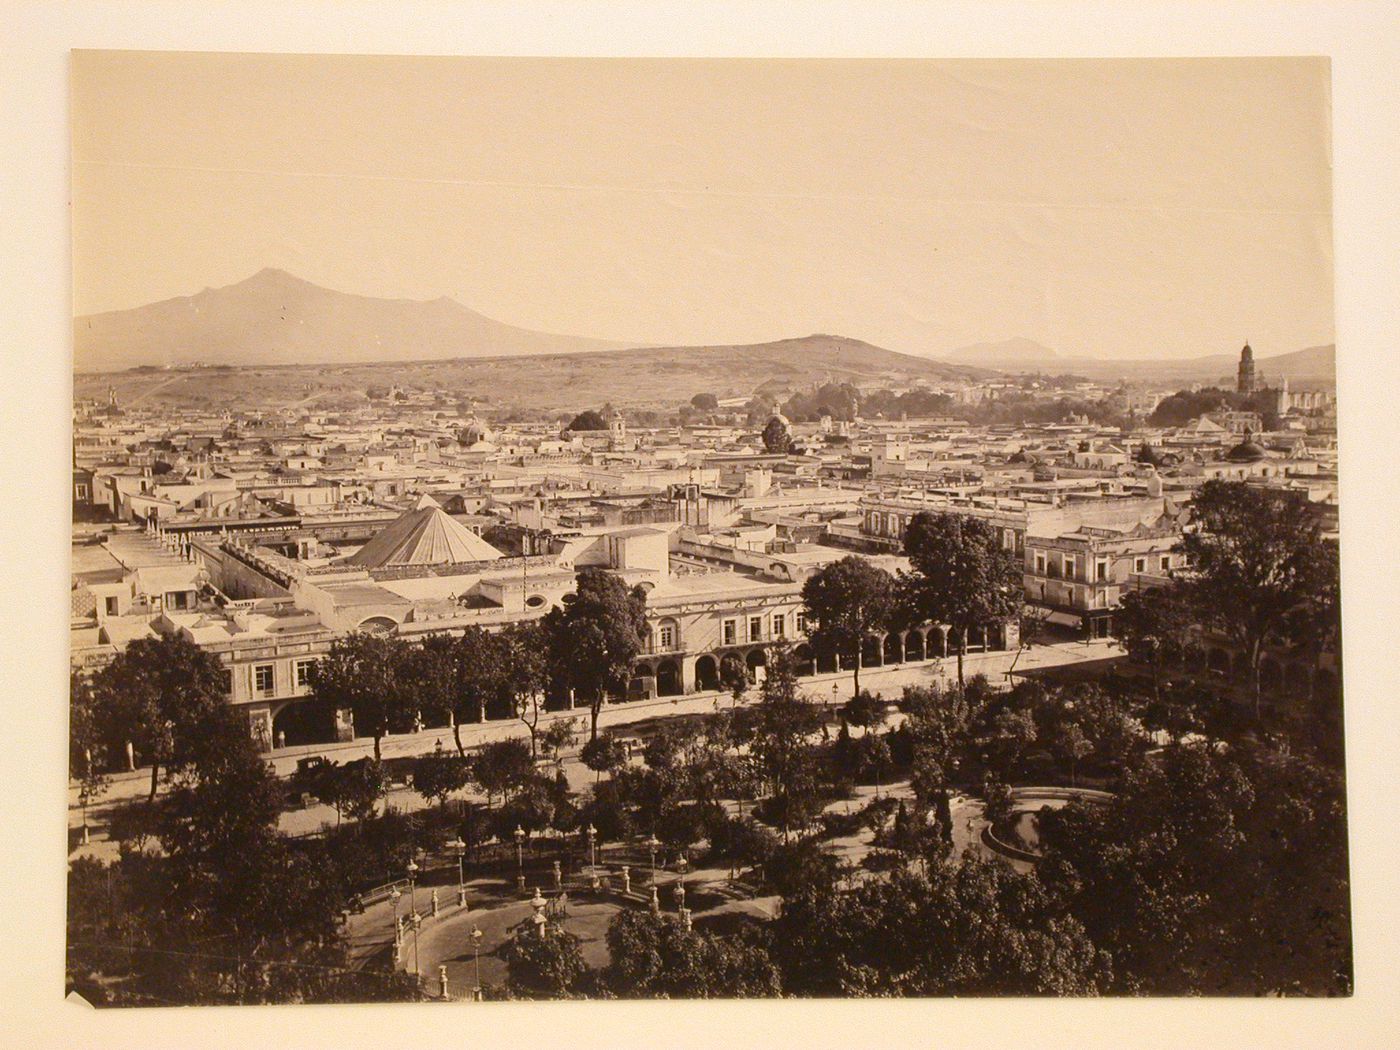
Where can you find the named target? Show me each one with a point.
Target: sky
(1126, 208)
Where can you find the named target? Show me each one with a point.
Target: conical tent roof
(425, 535)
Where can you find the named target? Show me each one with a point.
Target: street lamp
(412, 886)
(459, 847)
(519, 858)
(592, 846)
(416, 922)
(398, 931)
(476, 958)
(652, 846)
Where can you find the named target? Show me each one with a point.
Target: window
(304, 672)
(666, 638)
(111, 606)
(228, 681)
(1166, 562)
(1139, 565)
(1101, 571)
(727, 632)
(755, 628)
(1069, 567)
(1040, 565)
(801, 623)
(779, 625)
(262, 678)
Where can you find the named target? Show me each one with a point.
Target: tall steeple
(1245, 384)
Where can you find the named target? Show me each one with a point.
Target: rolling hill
(653, 377)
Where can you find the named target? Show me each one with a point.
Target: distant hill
(647, 377)
(1315, 364)
(1018, 352)
(275, 318)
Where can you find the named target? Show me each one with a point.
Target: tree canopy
(161, 695)
(588, 420)
(962, 575)
(1258, 567)
(845, 601)
(594, 637)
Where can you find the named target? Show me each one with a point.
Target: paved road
(889, 681)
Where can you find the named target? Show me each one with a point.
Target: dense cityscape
(1010, 682)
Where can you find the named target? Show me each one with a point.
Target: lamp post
(459, 847)
(652, 846)
(476, 958)
(398, 930)
(520, 858)
(416, 922)
(592, 846)
(413, 887)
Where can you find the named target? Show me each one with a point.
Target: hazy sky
(1116, 208)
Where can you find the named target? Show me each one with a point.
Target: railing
(383, 893)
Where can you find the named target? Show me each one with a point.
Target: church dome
(1247, 451)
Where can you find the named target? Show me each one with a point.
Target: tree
(938, 726)
(588, 420)
(353, 789)
(525, 675)
(1152, 625)
(85, 743)
(998, 800)
(1211, 872)
(439, 774)
(1253, 564)
(863, 710)
(603, 754)
(502, 767)
(705, 402)
(969, 928)
(430, 678)
(595, 637)
(844, 602)
(562, 733)
(781, 722)
(653, 956)
(230, 911)
(776, 437)
(546, 963)
(734, 676)
(962, 576)
(368, 674)
(160, 695)
(480, 663)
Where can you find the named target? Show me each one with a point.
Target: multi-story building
(1078, 577)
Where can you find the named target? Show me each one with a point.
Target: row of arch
(1275, 675)
(897, 647)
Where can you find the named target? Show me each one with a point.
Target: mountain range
(1315, 363)
(275, 319)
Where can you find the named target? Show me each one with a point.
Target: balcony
(655, 648)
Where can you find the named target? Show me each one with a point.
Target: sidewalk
(888, 681)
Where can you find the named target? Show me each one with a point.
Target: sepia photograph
(703, 528)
